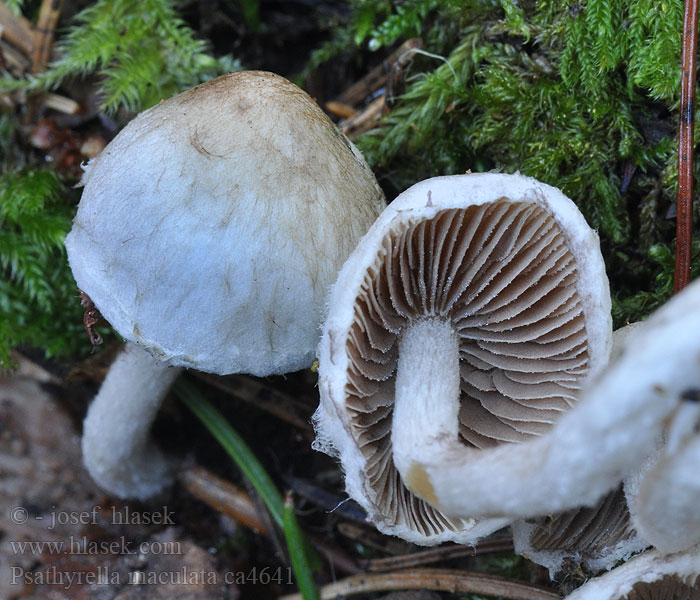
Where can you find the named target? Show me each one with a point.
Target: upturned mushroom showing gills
(619, 419)
(208, 233)
(466, 321)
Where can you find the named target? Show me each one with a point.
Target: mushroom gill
(669, 587)
(502, 276)
(595, 537)
(582, 528)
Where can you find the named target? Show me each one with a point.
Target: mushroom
(664, 492)
(207, 235)
(464, 323)
(649, 576)
(616, 424)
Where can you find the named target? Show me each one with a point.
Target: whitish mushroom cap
(512, 267)
(211, 227)
(663, 353)
(649, 576)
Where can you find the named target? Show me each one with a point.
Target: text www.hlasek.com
(83, 546)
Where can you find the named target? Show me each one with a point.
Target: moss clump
(142, 49)
(38, 298)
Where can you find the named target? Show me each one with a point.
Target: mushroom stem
(617, 422)
(117, 448)
(426, 404)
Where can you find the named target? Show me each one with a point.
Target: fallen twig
(340, 110)
(684, 202)
(12, 60)
(387, 76)
(378, 76)
(16, 30)
(222, 496)
(362, 121)
(439, 580)
(426, 557)
(42, 40)
(59, 103)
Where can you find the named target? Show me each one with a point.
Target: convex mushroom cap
(211, 226)
(208, 233)
(470, 315)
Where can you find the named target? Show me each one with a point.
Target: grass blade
(297, 546)
(234, 445)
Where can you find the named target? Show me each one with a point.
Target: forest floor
(211, 537)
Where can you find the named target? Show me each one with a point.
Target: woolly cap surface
(211, 227)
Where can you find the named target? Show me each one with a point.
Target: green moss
(142, 50)
(38, 298)
(579, 95)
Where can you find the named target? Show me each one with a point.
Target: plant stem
(244, 458)
(684, 218)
